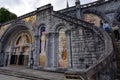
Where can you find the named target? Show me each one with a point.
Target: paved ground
(43, 74)
(6, 77)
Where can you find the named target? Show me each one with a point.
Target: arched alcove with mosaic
(21, 49)
(62, 49)
(42, 51)
(93, 18)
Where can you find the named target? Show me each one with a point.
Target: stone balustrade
(105, 58)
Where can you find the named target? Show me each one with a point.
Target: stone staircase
(92, 70)
(117, 51)
(108, 54)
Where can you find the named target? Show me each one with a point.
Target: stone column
(50, 50)
(1, 54)
(69, 49)
(6, 56)
(36, 52)
(29, 54)
(47, 50)
(9, 57)
(55, 50)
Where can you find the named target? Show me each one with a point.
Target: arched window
(42, 57)
(62, 51)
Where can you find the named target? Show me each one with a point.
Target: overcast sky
(21, 7)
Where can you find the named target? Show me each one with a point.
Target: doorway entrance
(20, 54)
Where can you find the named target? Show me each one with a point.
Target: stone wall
(85, 43)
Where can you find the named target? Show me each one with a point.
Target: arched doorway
(21, 48)
(17, 44)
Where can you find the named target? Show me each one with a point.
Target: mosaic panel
(31, 20)
(3, 28)
(92, 18)
(62, 53)
(42, 56)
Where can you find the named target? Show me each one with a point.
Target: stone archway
(62, 49)
(61, 46)
(94, 17)
(21, 47)
(10, 43)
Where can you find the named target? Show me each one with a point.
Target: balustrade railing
(94, 3)
(105, 59)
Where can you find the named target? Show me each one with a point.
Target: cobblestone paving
(6, 77)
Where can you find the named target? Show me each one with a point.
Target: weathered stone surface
(89, 49)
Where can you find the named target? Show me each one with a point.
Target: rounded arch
(60, 26)
(40, 27)
(15, 27)
(98, 13)
(9, 36)
(42, 45)
(12, 39)
(62, 47)
(18, 36)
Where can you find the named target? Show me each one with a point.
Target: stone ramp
(31, 74)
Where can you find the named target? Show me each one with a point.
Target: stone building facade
(68, 40)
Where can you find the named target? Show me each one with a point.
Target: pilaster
(56, 35)
(78, 9)
(36, 51)
(69, 50)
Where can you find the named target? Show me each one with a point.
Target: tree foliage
(6, 15)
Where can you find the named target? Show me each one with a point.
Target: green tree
(6, 15)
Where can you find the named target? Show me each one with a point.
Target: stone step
(21, 75)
